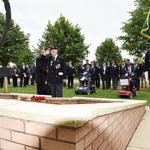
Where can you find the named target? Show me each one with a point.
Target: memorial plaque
(6, 72)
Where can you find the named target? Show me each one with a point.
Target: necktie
(53, 58)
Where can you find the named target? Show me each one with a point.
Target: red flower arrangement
(37, 98)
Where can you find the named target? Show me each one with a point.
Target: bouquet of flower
(37, 98)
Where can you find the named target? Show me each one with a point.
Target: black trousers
(97, 81)
(70, 81)
(42, 88)
(114, 83)
(105, 83)
(56, 90)
(136, 83)
(23, 81)
(109, 82)
(14, 81)
(33, 80)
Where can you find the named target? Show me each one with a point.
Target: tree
(133, 41)
(108, 51)
(17, 45)
(66, 37)
(7, 23)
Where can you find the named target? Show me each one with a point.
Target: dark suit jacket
(105, 74)
(137, 70)
(81, 69)
(70, 71)
(42, 69)
(114, 71)
(57, 70)
(23, 71)
(147, 61)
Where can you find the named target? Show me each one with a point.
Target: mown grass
(144, 93)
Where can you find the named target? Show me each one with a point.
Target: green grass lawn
(144, 94)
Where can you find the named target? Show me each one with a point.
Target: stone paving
(141, 138)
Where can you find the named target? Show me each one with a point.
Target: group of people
(25, 74)
(110, 73)
(50, 73)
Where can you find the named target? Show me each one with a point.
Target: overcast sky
(98, 19)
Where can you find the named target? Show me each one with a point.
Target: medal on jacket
(58, 66)
(51, 63)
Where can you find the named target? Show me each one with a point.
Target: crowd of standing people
(25, 74)
(50, 73)
(109, 73)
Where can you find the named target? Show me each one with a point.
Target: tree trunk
(3, 39)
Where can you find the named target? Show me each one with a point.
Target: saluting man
(57, 73)
(42, 64)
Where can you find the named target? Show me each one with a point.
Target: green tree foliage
(108, 51)
(16, 48)
(67, 38)
(133, 41)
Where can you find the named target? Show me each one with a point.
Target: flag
(146, 28)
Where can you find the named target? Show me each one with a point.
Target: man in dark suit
(70, 74)
(57, 73)
(108, 76)
(147, 61)
(105, 75)
(42, 74)
(97, 75)
(114, 73)
(15, 75)
(81, 69)
(87, 63)
(123, 69)
(137, 70)
(23, 75)
(33, 74)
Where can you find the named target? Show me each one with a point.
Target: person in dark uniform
(93, 72)
(42, 73)
(137, 70)
(104, 76)
(27, 74)
(15, 75)
(80, 70)
(57, 73)
(108, 76)
(123, 69)
(147, 61)
(114, 73)
(23, 75)
(97, 75)
(33, 74)
(147, 58)
(87, 63)
(90, 72)
(127, 63)
(70, 74)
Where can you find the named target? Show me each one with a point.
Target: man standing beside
(23, 75)
(114, 72)
(70, 73)
(147, 63)
(57, 73)
(42, 73)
